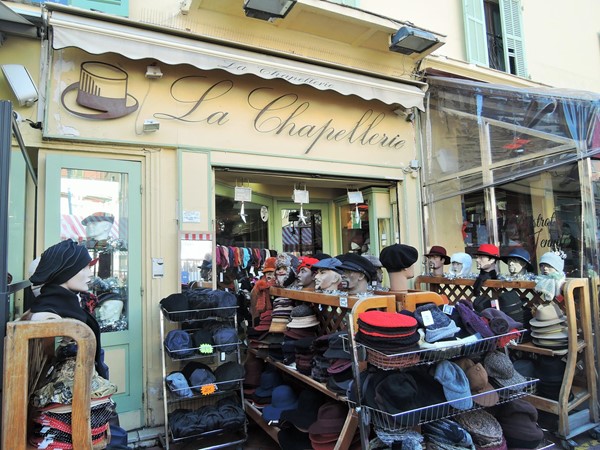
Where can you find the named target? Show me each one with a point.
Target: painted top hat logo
(101, 87)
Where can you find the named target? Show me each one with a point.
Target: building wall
(561, 40)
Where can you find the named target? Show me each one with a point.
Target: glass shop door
(97, 202)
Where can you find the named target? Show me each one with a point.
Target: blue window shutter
(116, 7)
(512, 30)
(475, 32)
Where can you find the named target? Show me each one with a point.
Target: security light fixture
(408, 40)
(268, 9)
(21, 83)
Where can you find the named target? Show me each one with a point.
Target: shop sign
(108, 97)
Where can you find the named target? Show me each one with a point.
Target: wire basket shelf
(219, 389)
(413, 358)
(185, 354)
(408, 419)
(191, 315)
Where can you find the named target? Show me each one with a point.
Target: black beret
(356, 263)
(398, 257)
(60, 262)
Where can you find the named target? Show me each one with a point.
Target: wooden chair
(411, 299)
(27, 346)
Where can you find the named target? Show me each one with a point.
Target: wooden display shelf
(257, 417)
(301, 377)
(532, 348)
(580, 395)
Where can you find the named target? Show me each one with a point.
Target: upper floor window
(494, 34)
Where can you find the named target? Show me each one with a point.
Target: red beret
(383, 319)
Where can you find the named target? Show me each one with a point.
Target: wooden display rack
(580, 414)
(27, 347)
(336, 313)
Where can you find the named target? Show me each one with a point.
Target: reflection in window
(302, 237)
(233, 231)
(355, 229)
(93, 209)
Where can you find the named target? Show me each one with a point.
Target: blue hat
(455, 383)
(226, 339)
(551, 259)
(269, 379)
(178, 385)
(521, 254)
(201, 377)
(178, 344)
(282, 399)
(329, 264)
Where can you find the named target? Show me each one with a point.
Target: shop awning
(101, 36)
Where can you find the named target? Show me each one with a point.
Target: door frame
(324, 207)
(130, 398)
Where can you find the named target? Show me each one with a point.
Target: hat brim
(491, 255)
(446, 257)
(552, 336)
(546, 323)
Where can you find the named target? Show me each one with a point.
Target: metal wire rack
(184, 354)
(408, 419)
(221, 389)
(191, 315)
(428, 356)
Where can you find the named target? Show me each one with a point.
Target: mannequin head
(98, 226)
(486, 257)
(399, 260)
(516, 266)
(306, 278)
(328, 276)
(437, 258)
(354, 282)
(109, 311)
(285, 272)
(551, 263)
(64, 264)
(327, 279)
(460, 264)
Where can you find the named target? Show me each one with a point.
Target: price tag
(344, 302)
(495, 304)
(427, 318)
(222, 356)
(448, 309)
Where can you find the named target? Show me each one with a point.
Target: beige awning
(99, 36)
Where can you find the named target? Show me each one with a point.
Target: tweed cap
(483, 427)
(501, 369)
(438, 250)
(61, 262)
(398, 257)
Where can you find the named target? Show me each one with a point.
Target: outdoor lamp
(408, 40)
(268, 9)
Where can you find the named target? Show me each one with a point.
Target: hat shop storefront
(184, 165)
(157, 157)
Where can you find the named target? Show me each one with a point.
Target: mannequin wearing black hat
(357, 273)
(399, 260)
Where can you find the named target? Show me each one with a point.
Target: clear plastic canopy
(480, 135)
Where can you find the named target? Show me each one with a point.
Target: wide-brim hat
(488, 250)
(438, 250)
(303, 322)
(559, 334)
(283, 398)
(330, 419)
(547, 314)
(521, 254)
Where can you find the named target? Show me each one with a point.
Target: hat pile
(282, 308)
(325, 431)
(304, 355)
(264, 323)
(471, 320)
(481, 389)
(518, 420)
(306, 411)
(500, 322)
(445, 433)
(511, 304)
(225, 414)
(485, 430)
(438, 326)
(283, 398)
(302, 316)
(269, 380)
(339, 368)
(502, 373)
(387, 332)
(253, 368)
(549, 327)
(200, 377)
(550, 370)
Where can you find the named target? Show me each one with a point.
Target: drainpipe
(5, 140)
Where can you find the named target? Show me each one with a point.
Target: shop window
(494, 35)
(540, 213)
(302, 237)
(232, 230)
(355, 228)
